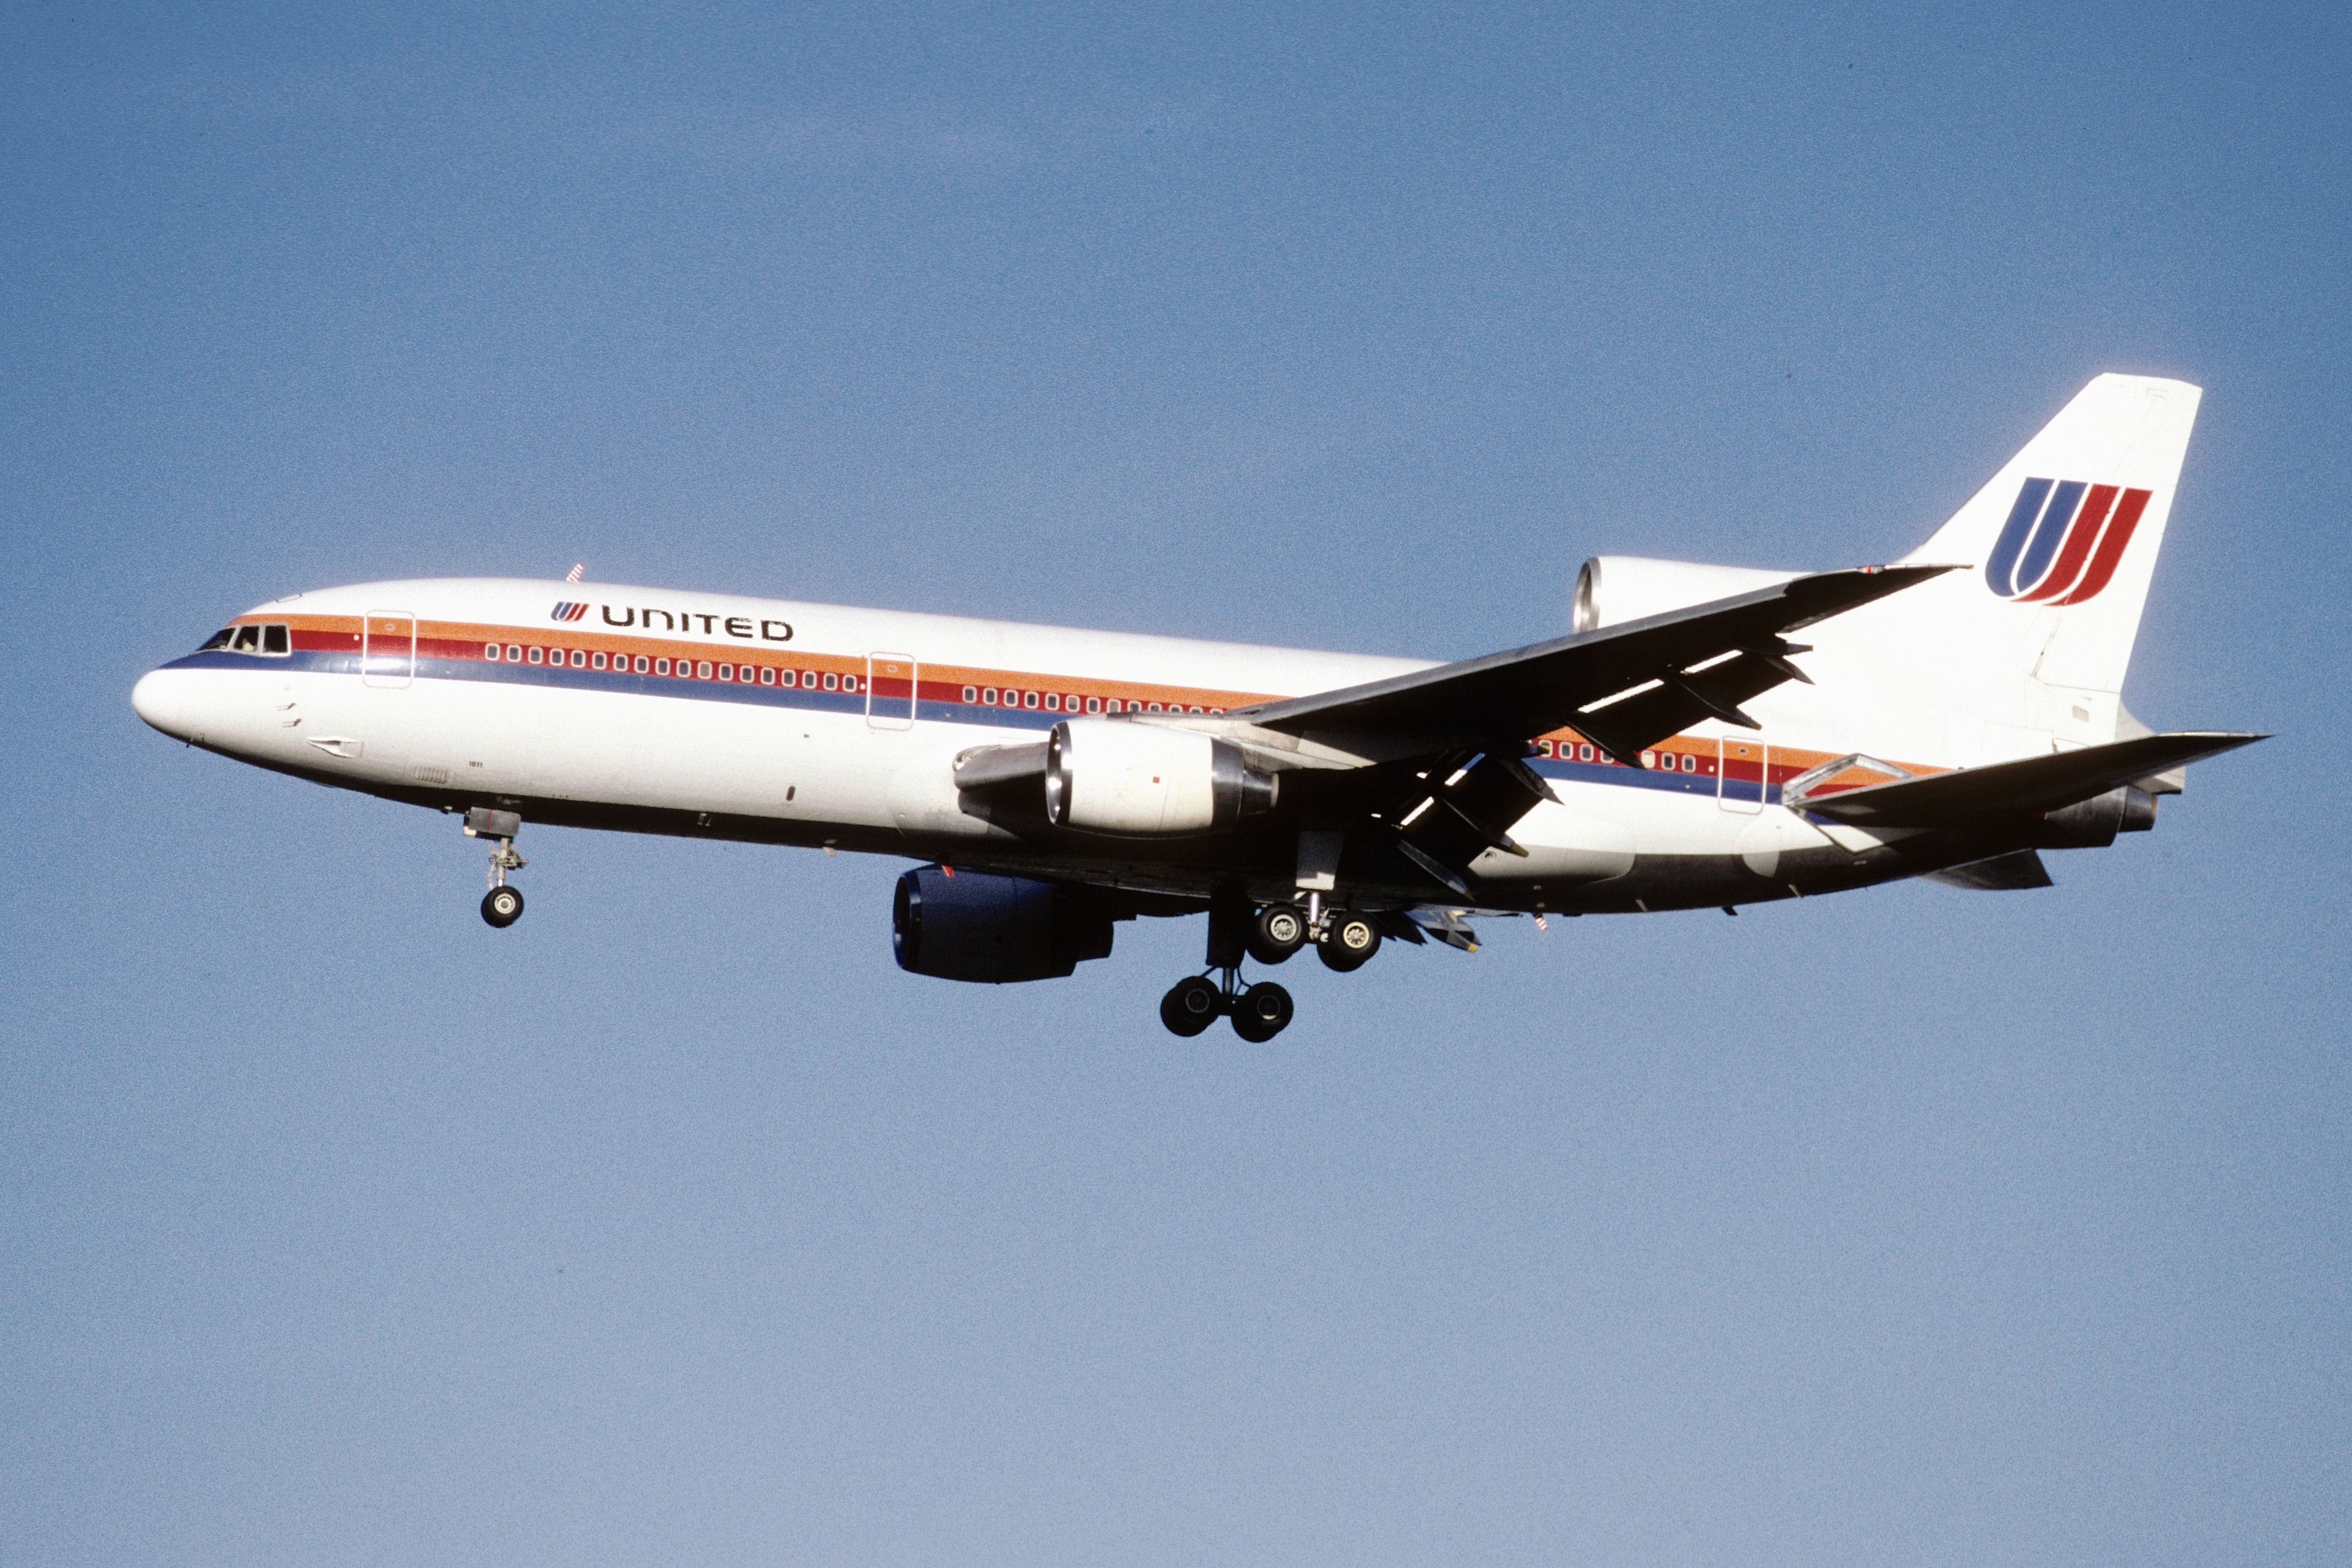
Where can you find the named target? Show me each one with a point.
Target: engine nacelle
(1613, 589)
(2093, 824)
(970, 925)
(1106, 775)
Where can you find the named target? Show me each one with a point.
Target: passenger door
(388, 648)
(890, 691)
(1739, 773)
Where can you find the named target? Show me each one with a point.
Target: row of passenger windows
(1070, 702)
(683, 670)
(273, 641)
(810, 680)
(1585, 752)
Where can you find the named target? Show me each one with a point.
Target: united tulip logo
(2062, 540)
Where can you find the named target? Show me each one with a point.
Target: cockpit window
(272, 641)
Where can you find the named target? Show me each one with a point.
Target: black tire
(502, 906)
(1279, 930)
(1262, 1012)
(1190, 1005)
(1350, 942)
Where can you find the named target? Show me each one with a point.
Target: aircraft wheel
(1190, 1005)
(1279, 930)
(1262, 1012)
(502, 906)
(1350, 942)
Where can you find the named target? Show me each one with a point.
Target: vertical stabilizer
(2061, 543)
(2024, 650)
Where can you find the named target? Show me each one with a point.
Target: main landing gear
(502, 905)
(1345, 940)
(1259, 1012)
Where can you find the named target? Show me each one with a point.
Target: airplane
(1950, 715)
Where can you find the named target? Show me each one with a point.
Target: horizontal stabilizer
(2026, 787)
(2002, 874)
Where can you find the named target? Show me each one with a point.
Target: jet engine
(1613, 589)
(1106, 775)
(2093, 824)
(972, 925)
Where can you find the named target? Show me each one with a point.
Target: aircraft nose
(165, 700)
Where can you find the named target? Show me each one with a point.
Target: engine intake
(1106, 775)
(1613, 589)
(972, 925)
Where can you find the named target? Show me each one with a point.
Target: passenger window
(579, 658)
(971, 694)
(537, 654)
(988, 696)
(514, 653)
(1028, 700)
(277, 639)
(702, 670)
(767, 675)
(1094, 704)
(596, 660)
(641, 663)
(726, 672)
(1054, 701)
(1155, 708)
(832, 682)
(490, 652)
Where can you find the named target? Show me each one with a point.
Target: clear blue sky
(675, 1224)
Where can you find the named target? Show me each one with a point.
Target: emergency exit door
(889, 691)
(388, 648)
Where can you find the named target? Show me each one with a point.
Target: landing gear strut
(1258, 1012)
(502, 905)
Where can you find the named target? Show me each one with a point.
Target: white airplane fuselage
(793, 724)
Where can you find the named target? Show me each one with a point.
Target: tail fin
(2062, 541)
(2024, 651)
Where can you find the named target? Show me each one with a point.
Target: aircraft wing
(2026, 787)
(1622, 687)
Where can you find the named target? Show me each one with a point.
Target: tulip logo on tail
(570, 611)
(2062, 540)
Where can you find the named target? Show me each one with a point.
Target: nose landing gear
(502, 905)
